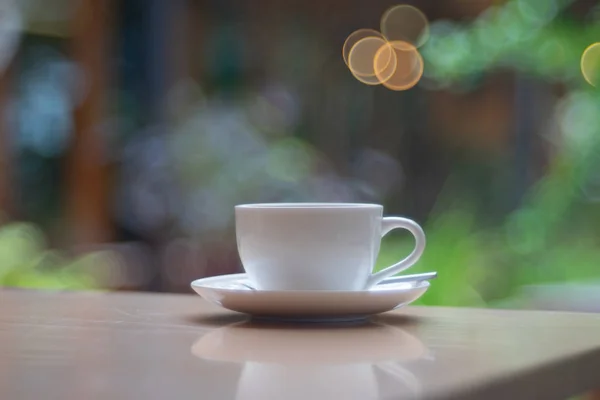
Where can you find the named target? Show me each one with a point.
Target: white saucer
(311, 305)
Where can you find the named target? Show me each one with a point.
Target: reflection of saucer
(357, 362)
(370, 343)
(228, 291)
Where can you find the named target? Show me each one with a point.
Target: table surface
(152, 346)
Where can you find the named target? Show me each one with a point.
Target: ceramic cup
(317, 246)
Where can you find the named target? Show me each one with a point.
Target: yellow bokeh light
(409, 67)
(384, 63)
(405, 23)
(354, 38)
(372, 60)
(590, 64)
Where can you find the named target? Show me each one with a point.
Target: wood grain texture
(125, 345)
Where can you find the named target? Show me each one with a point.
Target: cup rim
(307, 206)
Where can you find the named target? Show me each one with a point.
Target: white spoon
(425, 276)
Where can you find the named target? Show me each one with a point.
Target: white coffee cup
(317, 246)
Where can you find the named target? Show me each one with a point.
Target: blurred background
(130, 128)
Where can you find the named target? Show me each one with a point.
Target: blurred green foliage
(552, 237)
(26, 263)
(530, 36)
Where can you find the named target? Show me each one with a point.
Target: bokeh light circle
(372, 60)
(354, 38)
(409, 67)
(405, 23)
(590, 64)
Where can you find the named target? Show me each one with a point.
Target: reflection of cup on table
(290, 363)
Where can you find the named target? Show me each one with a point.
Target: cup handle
(388, 224)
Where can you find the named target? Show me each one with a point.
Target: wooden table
(143, 346)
